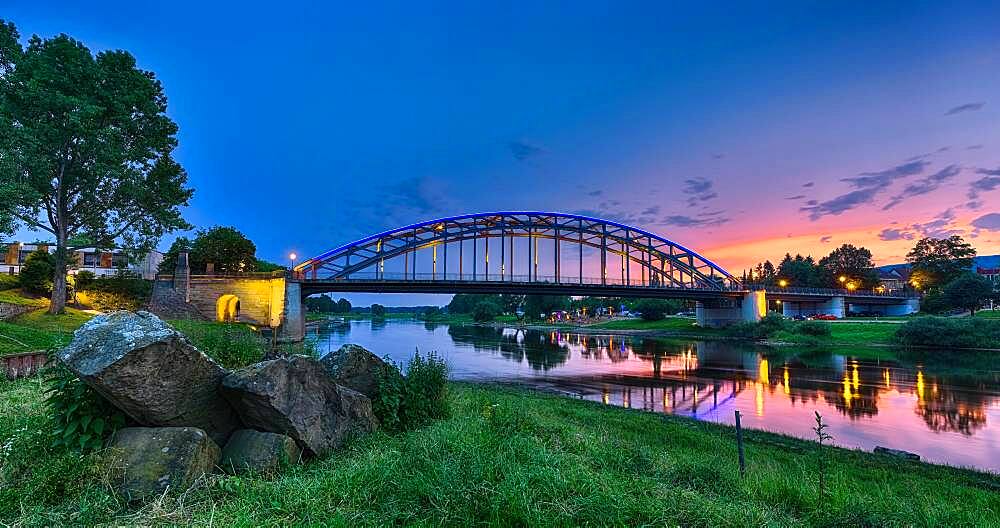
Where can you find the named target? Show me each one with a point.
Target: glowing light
(782, 283)
(787, 383)
(762, 372)
(920, 385)
(851, 286)
(293, 256)
(842, 279)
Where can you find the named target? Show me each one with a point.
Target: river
(947, 411)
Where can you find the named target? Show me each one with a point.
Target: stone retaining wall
(10, 311)
(23, 365)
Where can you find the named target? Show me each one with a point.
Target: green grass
(509, 457)
(989, 314)
(15, 297)
(675, 324)
(37, 330)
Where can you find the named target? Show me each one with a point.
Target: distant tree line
(483, 307)
(846, 265)
(325, 304)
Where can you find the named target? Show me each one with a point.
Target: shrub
(813, 328)
(36, 274)
(654, 309)
(232, 345)
(416, 399)
(123, 291)
(485, 311)
(8, 282)
(765, 328)
(81, 418)
(83, 279)
(965, 332)
(378, 311)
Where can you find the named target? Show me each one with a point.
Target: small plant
(82, 419)
(416, 399)
(821, 436)
(813, 328)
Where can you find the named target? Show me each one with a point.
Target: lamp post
(782, 283)
(292, 256)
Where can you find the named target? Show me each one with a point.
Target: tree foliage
(36, 274)
(654, 309)
(938, 261)
(851, 262)
(229, 250)
(85, 149)
(378, 311)
(968, 291)
(325, 304)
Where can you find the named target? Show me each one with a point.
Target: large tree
(85, 149)
(938, 261)
(968, 291)
(226, 248)
(852, 263)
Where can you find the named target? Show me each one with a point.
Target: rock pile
(186, 406)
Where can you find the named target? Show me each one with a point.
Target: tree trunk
(58, 303)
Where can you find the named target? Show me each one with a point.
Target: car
(826, 317)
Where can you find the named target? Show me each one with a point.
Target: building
(98, 262)
(894, 279)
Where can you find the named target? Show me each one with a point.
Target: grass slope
(509, 457)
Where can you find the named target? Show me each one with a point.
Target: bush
(654, 309)
(964, 332)
(416, 399)
(36, 274)
(765, 328)
(83, 279)
(378, 311)
(8, 282)
(81, 418)
(123, 291)
(813, 328)
(485, 311)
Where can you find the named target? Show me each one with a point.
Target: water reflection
(944, 415)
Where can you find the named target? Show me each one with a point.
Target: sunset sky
(741, 132)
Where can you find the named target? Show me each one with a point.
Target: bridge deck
(315, 286)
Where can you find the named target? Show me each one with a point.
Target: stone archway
(227, 308)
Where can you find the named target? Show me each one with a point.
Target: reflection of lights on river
(847, 390)
(760, 399)
(787, 385)
(920, 385)
(855, 379)
(762, 372)
(605, 396)
(885, 376)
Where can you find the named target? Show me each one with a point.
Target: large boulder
(295, 396)
(249, 450)
(151, 372)
(152, 459)
(355, 367)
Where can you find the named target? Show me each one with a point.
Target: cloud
(940, 227)
(825, 239)
(924, 185)
(701, 220)
(718, 156)
(867, 185)
(796, 197)
(885, 177)
(967, 107)
(595, 193)
(973, 147)
(985, 184)
(808, 184)
(987, 222)
(840, 204)
(523, 150)
(699, 190)
(895, 234)
(654, 210)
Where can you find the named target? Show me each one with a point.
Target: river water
(945, 411)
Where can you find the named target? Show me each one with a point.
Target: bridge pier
(906, 307)
(834, 306)
(724, 312)
(292, 320)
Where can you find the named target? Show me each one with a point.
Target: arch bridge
(523, 252)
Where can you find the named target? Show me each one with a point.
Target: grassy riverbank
(512, 457)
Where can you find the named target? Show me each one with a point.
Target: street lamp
(782, 283)
(842, 279)
(292, 257)
(851, 286)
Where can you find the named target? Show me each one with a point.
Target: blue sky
(741, 131)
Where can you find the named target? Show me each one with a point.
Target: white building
(98, 262)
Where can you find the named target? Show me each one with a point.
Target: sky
(741, 131)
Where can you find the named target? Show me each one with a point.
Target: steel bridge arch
(663, 263)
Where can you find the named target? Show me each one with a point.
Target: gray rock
(898, 453)
(151, 372)
(295, 396)
(150, 460)
(355, 368)
(259, 452)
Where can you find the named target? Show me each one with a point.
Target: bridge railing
(519, 278)
(874, 292)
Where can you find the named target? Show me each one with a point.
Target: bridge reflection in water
(944, 414)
